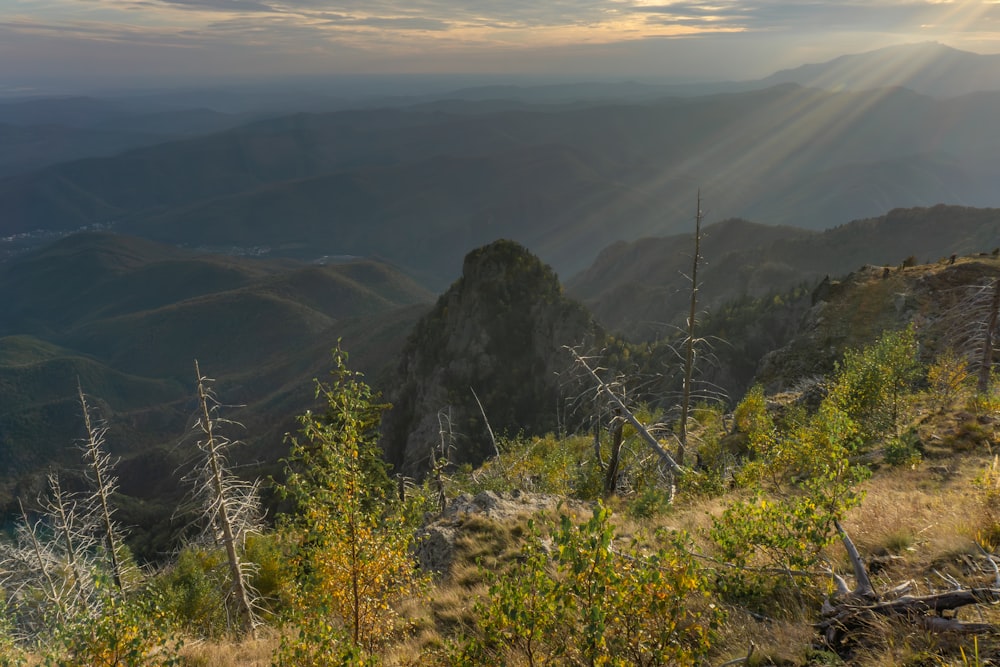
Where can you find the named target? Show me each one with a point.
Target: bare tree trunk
(489, 429)
(597, 434)
(222, 507)
(986, 364)
(689, 352)
(611, 474)
(440, 460)
(650, 440)
(100, 464)
(862, 583)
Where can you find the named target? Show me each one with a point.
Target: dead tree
(72, 532)
(986, 362)
(100, 471)
(604, 389)
(973, 331)
(489, 429)
(689, 342)
(48, 571)
(849, 611)
(230, 505)
(441, 458)
(611, 473)
(37, 590)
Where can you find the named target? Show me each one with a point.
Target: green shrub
(131, 631)
(194, 591)
(620, 606)
(904, 450)
(874, 385)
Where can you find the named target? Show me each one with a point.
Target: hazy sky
(150, 42)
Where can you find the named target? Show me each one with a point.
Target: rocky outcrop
(436, 549)
(500, 332)
(939, 300)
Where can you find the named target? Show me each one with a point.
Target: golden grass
(222, 653)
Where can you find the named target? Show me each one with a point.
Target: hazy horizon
(74, 46)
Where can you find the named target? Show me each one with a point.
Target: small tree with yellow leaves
(353, 544)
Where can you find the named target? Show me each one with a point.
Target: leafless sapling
(100, 471)
(974, 329)
(690, 340)
(230, 505)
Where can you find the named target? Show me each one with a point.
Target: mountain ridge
(648, 276)
(549, 179)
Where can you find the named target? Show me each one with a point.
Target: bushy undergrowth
(621, 605)
(336, 581)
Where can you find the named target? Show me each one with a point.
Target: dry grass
(243, 653)
(771, 642)
(931, 503)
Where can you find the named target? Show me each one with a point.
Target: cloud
(383, 35)
(390, 23)
(238, 6)
(630, 19)
(906, 16)
(885, 15)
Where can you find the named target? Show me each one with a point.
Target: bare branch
(489, 429)
(99, 470)
(643, 431)
(230, 505)
(863, 585)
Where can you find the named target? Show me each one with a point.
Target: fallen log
(849, 611)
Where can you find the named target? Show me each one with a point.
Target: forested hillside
(125, 319)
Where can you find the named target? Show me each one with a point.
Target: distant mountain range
(38, 133)
(566, 169)
(421, 188)
(928, 68)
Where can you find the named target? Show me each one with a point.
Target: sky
(94, 43)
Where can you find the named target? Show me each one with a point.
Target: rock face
(500, 332)
(436, 550)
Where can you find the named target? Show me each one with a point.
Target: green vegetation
(352, 539)
(582, 532)
(872, 386)
(621, 606)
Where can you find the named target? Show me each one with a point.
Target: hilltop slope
(848, 313)
(641, 288)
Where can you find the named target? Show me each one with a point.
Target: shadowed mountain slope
(499, 331)
(641, 288)
(126, 318)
